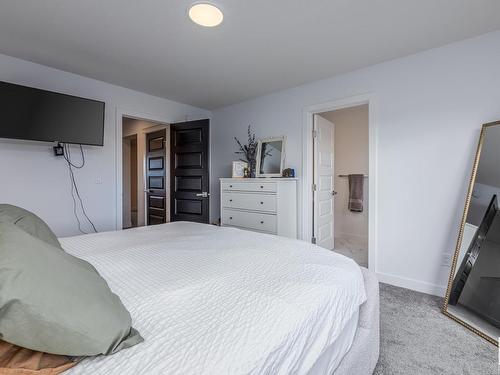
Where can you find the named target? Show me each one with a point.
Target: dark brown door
(189, 171)
(155, 177)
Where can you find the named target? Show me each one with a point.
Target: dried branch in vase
(249, 150)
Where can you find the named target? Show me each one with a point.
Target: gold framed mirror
(473, 294)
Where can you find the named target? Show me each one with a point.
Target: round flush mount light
(205, 14)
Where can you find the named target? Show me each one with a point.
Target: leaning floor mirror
(473, 294)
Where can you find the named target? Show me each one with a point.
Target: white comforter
(211, 300)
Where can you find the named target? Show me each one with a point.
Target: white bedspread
(211, 300)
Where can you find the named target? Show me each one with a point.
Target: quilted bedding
(211, 300)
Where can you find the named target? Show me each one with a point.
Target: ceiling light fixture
(205, 14)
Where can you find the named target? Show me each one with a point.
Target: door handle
(203, 195)
(334, 192)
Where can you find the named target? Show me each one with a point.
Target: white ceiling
(262, 45)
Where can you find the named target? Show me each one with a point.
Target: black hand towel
(356, 192)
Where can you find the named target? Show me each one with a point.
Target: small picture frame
(239, 169)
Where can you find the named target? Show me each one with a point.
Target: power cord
(75, 194)
(67, 156)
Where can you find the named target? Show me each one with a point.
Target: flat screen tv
(39, 115)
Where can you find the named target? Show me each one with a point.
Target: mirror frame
(460, 238)
(259, 151)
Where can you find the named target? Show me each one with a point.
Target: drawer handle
(261, 202)
(230, 186)
(262, 187)
(230, 218)
(230, 200)
(262, 222)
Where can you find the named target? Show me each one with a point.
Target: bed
(211, 300)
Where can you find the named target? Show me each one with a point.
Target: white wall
(33, 178)
(428, 109)
(350, 156)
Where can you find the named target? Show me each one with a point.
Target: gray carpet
(416, 339)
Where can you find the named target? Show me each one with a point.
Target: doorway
(145, 160)
(340, 181)
(164, 172)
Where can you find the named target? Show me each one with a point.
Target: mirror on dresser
(271, 157)
(473, 294)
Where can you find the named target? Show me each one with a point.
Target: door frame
(306, 219)
(120, 113)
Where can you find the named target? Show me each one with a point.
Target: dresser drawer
(269, 187)
(249, 201)
(251, 220)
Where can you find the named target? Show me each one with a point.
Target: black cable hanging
(74, 186)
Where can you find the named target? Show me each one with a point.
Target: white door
(323, 180)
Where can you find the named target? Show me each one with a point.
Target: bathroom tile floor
(351, 250)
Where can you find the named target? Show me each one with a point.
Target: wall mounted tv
(39, 115)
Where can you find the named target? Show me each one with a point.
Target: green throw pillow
(53, 302)
(28, 222)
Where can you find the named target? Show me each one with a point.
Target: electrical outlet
(98, 180)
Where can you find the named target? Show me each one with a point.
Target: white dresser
(266, 205)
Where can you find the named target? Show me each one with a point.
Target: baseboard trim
(419, 286)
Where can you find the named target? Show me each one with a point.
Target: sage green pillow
(53, 302)
(28, 222)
